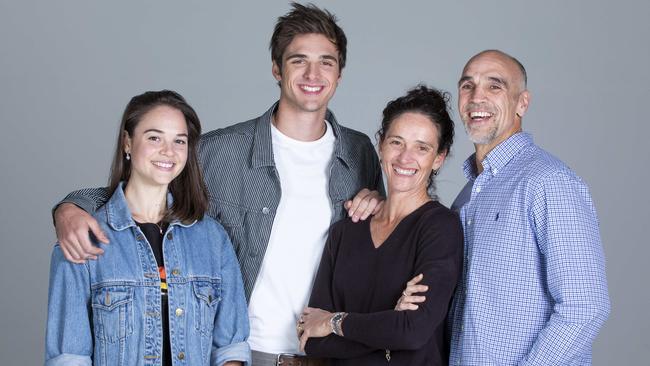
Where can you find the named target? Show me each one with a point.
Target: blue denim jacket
(107, 312)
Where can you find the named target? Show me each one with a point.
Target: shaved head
(519, 66)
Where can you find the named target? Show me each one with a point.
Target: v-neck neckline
(397, 227)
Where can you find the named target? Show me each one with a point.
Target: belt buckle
(278, 360)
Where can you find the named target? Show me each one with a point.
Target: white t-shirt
(297, 239)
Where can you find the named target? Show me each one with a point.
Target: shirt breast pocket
(112, 312)
(207, 295)
(232, 218)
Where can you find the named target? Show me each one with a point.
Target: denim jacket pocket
(112, 312)
(208, 296)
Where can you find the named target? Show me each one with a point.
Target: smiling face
(158, 147)
(309, 74)
(409, 153)
(492, 99)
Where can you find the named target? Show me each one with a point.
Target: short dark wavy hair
(306, 19)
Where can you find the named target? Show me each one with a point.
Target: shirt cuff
(233, 352)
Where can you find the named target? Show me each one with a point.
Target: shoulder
(353, 138)
(543, 170)
(440, 219)
(242, 129)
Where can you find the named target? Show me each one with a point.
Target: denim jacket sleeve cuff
(68, 359)
(233, 352)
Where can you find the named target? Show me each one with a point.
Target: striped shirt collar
(500, 156)
(263, 148)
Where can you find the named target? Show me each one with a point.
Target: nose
(477, 94)
(167, 148)
(311, 71)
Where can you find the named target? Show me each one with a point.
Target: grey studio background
(67, 69)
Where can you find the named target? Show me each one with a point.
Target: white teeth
(163, 164)
(480, 114)
(311, 89)
(405, 171)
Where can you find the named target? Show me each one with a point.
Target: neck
(147, 203)
(299, 125)
(399, 205)
(483, 149)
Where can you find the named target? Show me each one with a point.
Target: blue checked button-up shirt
(533, 290)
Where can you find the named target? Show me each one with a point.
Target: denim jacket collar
(500, 156)
(118, 214)
(263, 148)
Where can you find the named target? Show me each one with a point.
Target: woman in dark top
(366, 265)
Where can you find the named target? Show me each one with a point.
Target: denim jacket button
(176, 272)
(181, 355)
(179, 312)
(169, 236)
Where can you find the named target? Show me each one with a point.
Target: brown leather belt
(285, 359)
(288, 359)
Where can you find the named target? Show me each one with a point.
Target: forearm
(88, 199)
(333, 346)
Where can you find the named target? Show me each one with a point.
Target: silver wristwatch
(335, 323)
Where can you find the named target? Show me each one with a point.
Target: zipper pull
(387, 355)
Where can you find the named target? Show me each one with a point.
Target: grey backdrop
(67, 69)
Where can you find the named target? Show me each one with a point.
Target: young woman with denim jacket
(171, 295)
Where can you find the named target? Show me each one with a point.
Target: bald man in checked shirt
(533, 290)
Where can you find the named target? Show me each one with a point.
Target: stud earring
(128, 156)
(434, 172)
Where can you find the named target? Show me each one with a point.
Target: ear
(275, 70)
(522, 103)
(127, 141)
(439, 160)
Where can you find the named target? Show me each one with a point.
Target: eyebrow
(417, 141)
(303, 56)
(498, 80)
(491, 78)
(463, 79)
(160, 131)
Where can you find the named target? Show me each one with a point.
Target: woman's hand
(409, 301)
(313, 323)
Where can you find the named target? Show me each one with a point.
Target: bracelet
(335, 323)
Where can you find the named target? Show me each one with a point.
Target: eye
(153, 138)
(395, 142)
(466, 86)
(495, 87)
(424, 148)
(328, 62)
(181, 141)
(298, 61)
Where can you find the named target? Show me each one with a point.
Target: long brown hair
(188, 189)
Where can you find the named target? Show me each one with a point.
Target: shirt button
(176, 272)
(266, 210)
(181, 355)
(179, 312)
(170, 236)
(469, 222)
(478, 189)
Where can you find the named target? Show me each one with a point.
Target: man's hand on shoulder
(364, 204)
(72, 231)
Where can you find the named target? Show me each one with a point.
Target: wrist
(336, 323)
